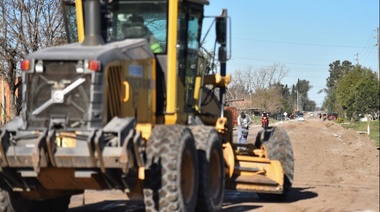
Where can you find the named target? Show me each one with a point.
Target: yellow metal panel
(171, 83)
(66, 139)
(126, 95)
(268, 178)
(141, 173)
(220, 123)
(153, 89)
(197, 90)
(138, 90)
(228, 154)
(252, 159)
(217, 80)
(275, 172)
(80, 22)
(145, 129)
(67, 142)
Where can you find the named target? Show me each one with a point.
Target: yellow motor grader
(127, 105)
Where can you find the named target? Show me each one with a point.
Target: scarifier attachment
(253, 171)
(80, 156)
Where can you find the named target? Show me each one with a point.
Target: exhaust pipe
(92, 23)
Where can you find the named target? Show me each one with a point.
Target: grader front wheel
(278, 147)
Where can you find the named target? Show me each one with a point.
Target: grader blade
(256, 173)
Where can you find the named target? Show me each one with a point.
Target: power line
(367, 56)
(296, 43)
(285, 63)
(368, 45)
(272, 61)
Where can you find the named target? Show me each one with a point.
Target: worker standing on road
(243, 124)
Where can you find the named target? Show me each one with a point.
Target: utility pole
(357, 59)
(298, 81)
(378, 55)
(297, 101)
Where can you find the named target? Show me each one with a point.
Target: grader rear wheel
(171, 182)
(278, 146)
(211, 169)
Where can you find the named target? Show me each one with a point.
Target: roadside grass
(362, 126)
(256, 119)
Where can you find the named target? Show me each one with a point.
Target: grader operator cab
(126, 106)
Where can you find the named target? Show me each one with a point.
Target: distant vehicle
(264, 122)
(332, 116)
(311, 114)
(300, 117)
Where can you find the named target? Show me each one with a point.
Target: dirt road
(335, 170)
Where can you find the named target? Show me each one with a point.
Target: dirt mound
(329, 156)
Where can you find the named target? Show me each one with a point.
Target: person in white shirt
(243, 125)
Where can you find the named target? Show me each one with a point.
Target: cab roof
(206, 2)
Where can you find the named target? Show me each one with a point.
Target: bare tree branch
(26, 26)
(258, 86)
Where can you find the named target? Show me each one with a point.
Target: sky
(303, 35)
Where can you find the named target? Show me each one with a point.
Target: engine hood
(132, 49)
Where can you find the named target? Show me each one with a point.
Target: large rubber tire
(278, 146)
(171, 176)
(211, 168)
(14, 202)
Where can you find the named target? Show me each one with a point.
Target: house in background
(5, 107)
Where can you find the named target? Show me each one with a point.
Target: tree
(286, 99)
(299, 95)
(357, 92)
(26, 26)
(268, 99)
(309, 105)
(259, 86)
(303, 87)
(266, 76)
(345, 87)
(337, 72)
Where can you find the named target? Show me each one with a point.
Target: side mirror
(221, 28)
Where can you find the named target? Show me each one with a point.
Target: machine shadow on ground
(246, 201)
(234, 201)
(111, 205)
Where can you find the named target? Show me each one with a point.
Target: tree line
(261, 89)
(351, 90)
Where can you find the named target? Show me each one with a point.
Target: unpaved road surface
(335, 170)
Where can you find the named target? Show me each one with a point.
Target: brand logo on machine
(136, 71)
(57, 96)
